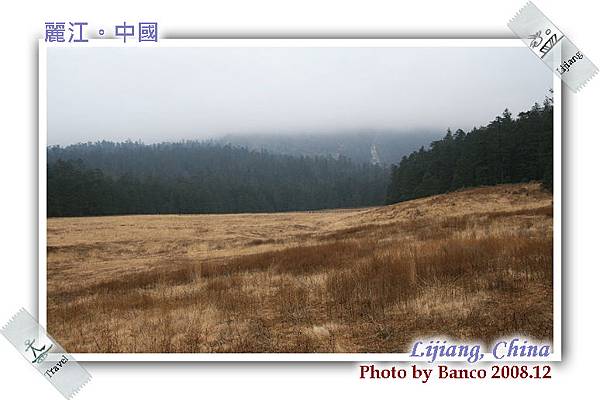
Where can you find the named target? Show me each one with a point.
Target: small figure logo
(37, 357)
(536, 39)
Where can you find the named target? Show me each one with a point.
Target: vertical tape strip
(45, 354)
(553, 47)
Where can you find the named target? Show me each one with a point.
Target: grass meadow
(472, 265)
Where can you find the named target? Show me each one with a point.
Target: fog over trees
(507, 150)
(108, 178)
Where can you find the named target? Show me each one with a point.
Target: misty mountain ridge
(380, 147)
(108, 178)
(377, 147)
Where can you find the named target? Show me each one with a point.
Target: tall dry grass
(473, 265)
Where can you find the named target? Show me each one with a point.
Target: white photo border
(282, 357)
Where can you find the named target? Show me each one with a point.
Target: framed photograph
(297, 199)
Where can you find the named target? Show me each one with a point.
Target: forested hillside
(108, 178)
(507, 150)
(390, 145)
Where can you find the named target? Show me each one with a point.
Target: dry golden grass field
(471, 265)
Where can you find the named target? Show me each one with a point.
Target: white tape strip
(553, 47)
(45, 354)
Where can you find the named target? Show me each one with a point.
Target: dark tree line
(507, 150)
(108, 178)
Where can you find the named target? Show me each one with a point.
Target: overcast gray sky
(169, 94)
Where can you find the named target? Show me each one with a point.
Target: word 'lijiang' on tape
(45, 354)
(552, 47)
